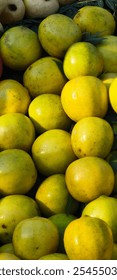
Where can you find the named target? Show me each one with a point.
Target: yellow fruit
(89, 177)
(13, 209)
(14, 97)
(46, 112)
(57, 33)
(84, 96)
(114, 253)
(53, 197)
(54, 256)
(18, 173)
(108, 50)
(92, 136)
(112, 160)
(34, 238)
(95, 19)
(16, 131)
(88, 238)
(8, 256)
(82, 59)
(20, 47)
(52, 152)
(105, 208)
(107, 78)
(7, 248)
(61, 221)
(45, 76)
(113, 94)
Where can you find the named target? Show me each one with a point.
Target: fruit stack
(58, 134)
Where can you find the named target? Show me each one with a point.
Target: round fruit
(13, 209)
(113, 94)
(83, 236)
(8, 256)
(53, 197)
(82, 59)
(61, 221)
(54, 256)
(18, 173)
(108, 50)
(16, 131)
(92, 136)
(95, 19)
(52, 152)
(46, 112)
(14, 97)
(55, 39)
(7, 248)
(34, 238)
(89, 177)
(20, 47)
(1, 67)
(105, 208)
(49, 69)
(84, 96)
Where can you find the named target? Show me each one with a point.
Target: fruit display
(58, 130)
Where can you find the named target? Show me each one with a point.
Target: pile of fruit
(58, 136)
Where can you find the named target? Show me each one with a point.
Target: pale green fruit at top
(82, 59)
(13, 209)
(46, 112)
(105, 208)
(57, 33)
(95, 19)
(34, 238)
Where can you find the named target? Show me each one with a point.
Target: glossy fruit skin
(100, 208)
(46, 112)
(112, 94)
(54, 256)
(53, 197)
(17, 96)
(84, 96)
(92, 136)
(17, 132)
(18, 172)
(82, 59)
(83, 236)
(54, 38)
(86, 181)
(52, 152)
(13, 209)
(34, 238)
